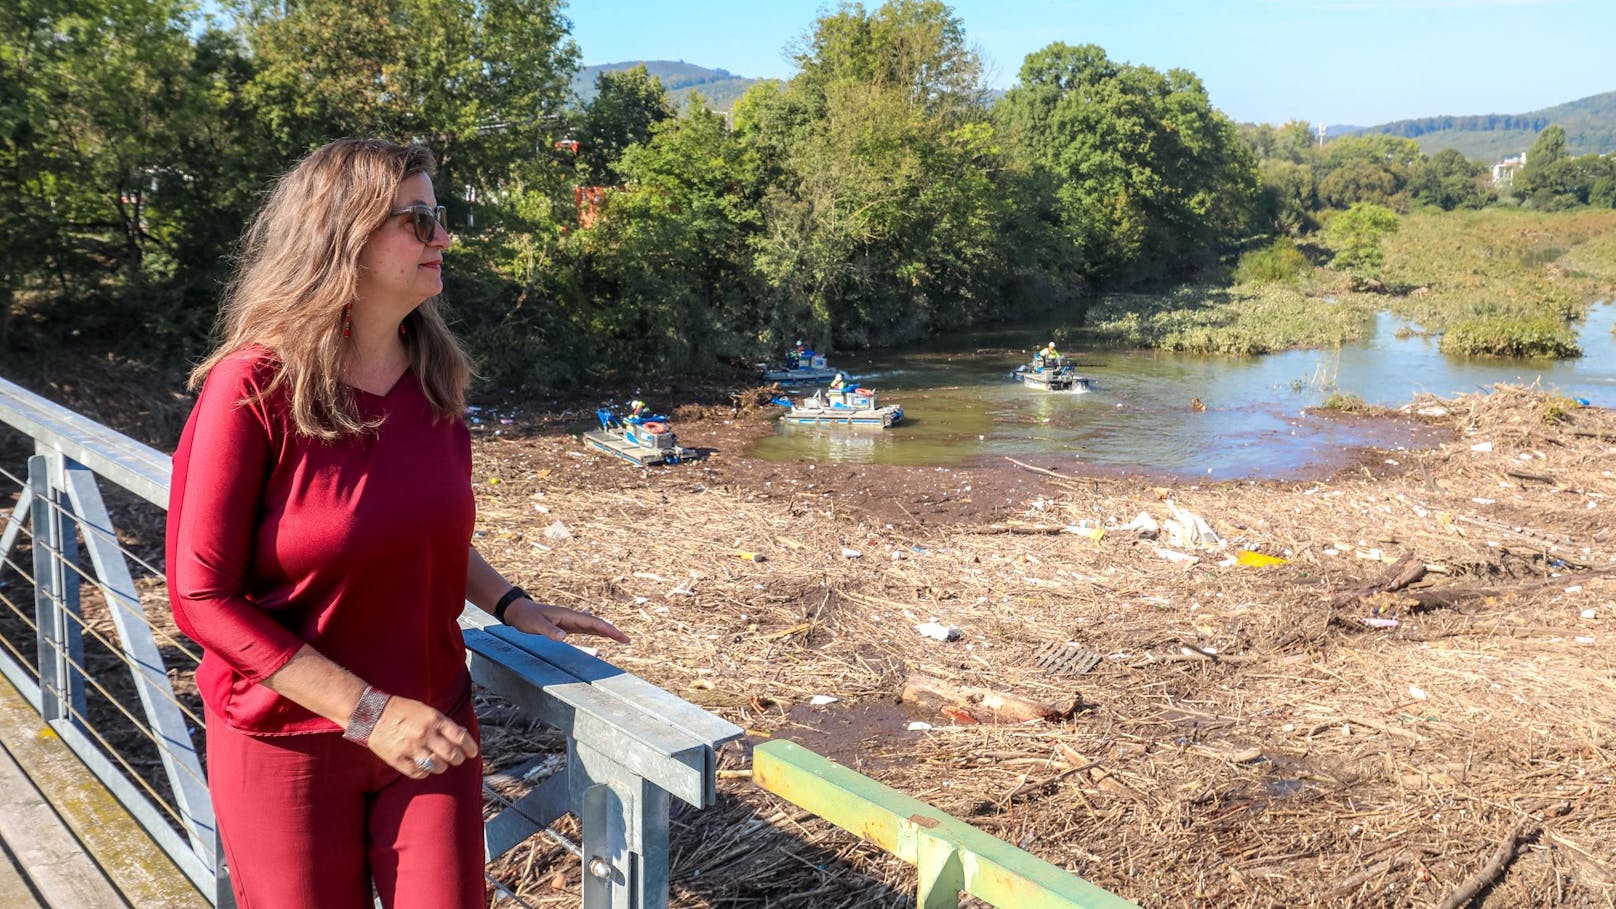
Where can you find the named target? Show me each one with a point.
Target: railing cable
(118, 652)
(140, 727)
(111, 537)
(26, 618)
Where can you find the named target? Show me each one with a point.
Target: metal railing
(630, 745)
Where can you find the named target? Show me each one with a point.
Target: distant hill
(1589, 123)
(721, 88)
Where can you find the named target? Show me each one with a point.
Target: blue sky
(1356, 62)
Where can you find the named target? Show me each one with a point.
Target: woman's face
(396, 268)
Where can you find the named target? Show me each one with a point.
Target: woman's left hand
(556, 622)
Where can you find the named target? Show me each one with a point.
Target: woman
(319, 549)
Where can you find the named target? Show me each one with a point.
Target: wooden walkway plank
(106, 838)
(14, 890)
(45, 850)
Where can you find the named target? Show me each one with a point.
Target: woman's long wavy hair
(298, 269)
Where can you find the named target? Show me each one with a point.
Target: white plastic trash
(939, 632)
(1144, 525)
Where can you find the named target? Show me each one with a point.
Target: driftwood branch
(1523, 830)
(1453, 596)
(1352, 882)
(1045, 471)
(1535, 477)
(1407, 571)
(1040, 784)
(1022, 528)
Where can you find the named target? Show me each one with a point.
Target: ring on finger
(426, 763)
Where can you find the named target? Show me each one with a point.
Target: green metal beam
(949, 854)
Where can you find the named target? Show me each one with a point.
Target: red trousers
(309, 821)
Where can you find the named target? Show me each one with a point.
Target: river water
(960, 406)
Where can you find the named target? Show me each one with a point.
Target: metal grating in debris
(1065, 658)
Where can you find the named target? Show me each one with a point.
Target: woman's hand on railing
(556, 622)
(417, 740)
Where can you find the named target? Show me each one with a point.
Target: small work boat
(808, 369)
(847, 407)
(641, 440)
(1051, 375)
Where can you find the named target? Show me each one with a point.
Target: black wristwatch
(511, 596)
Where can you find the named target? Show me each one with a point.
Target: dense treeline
(1303, 181)
(874, 197)
(1413, 129)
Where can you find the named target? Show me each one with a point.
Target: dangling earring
(347, 320)
(401, 330)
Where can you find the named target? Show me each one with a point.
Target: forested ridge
(719, 88)
(880, 194)
(1589, 124)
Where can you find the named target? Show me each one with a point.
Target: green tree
(1288, 196)
(1292, 141)
(108, 122)
(1355, 182)
(627, 105)
(671, 252)
(1602, 193)
(480, 82)
(1448, 181)
(1544, 166)
(1366, 168)
(1549, 147)
(886, 218)
(1355, 235)
(1153, 180)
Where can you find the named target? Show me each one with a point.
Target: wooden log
(1407, 571)
(982, 704)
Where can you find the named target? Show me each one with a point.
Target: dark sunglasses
(424, 218)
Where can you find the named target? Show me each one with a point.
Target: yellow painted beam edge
(137, 866)
(897, 823)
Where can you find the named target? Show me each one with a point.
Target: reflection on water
(960, 404)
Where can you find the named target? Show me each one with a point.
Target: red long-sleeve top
(357, 547)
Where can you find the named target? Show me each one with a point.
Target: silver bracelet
(362, 722)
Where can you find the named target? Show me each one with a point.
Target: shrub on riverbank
(1278, 262)
(1346, 402)
(1504, 336)
(1244, 319)
(1502, 267)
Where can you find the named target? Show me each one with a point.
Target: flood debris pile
(1391, 687)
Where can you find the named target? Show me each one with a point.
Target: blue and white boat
(641, 440)
(847, 407)
(807, 368)
(1050, 374)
